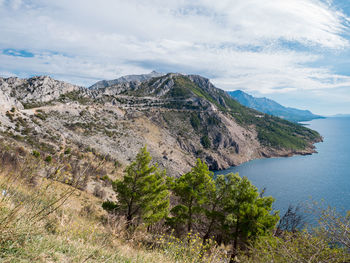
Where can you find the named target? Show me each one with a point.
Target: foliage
(215, 209)
(67, 151)
(142, 193)
(334, 227)
(292, 221)
(294, 247)
(74, 96)
(44, 222)
(40, 223)
(228, 207)
(247, 214)
(192, 190)
(109, 205)
(195, 121)
(205, 141)
(272, 131)
(48, 159)
(36, 154)
(191, 248)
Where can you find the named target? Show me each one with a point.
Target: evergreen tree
(247, 214)
(142, 193)
(215, 212)
(192, 190)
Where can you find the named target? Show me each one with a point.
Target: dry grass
(42, 219)
(52, 222)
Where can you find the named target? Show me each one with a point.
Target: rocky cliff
(180, 118)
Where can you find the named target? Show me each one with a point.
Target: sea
(323, 177)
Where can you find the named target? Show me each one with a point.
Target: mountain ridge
(180, 117)
(271, 107)
(125, 79)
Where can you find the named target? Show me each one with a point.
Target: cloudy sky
(294, 51)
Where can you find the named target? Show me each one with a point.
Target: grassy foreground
(43, 220)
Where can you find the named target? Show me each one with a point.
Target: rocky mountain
(180, 118)
(126, 79)
(272, 107)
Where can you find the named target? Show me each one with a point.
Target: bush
(67, 151)
(109, 206)
(36, 154)
(195, 121)
(205, 141)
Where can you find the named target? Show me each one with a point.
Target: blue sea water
(300, 179)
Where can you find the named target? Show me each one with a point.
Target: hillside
(272, 107)
(180, 117)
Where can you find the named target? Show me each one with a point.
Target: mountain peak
(125, 79)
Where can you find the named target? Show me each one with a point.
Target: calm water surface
(293, 180)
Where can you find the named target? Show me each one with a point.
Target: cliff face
(179, 117)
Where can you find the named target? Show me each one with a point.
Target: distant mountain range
(272, 107)
(341, 115)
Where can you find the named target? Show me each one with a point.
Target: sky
(296, 52)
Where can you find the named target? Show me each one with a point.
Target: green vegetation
(36, 154)
(272, 131)
(142, 193)
(228, 208)
(205, 141)
(31, 105)
(192, 190)
(67, 151)
(48, 159)
(229, 221)
(195, 121)
(75, 96)
(46, 221)
(247, 214)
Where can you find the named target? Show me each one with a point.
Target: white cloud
(245, 44)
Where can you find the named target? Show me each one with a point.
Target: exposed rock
(179, 117)
(126, 79)
(36, 90)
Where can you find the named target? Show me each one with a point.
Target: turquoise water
(299, 179)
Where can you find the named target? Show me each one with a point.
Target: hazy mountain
(340, 115)
(273, 108)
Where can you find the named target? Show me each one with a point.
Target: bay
(324, 176)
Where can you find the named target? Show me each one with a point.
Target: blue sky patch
(18, 53)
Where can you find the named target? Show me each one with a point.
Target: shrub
(205, 141)
(195, 121)
(36, 154)
(48, 159)
(109, 205)
(67, 151)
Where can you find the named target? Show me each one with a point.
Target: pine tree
(192, 190)
(214, 211)
(247, 214)
(142, 193)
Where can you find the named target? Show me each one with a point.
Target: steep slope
(179, 117)
(273, 108)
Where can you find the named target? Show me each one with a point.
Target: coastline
(267, 153)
